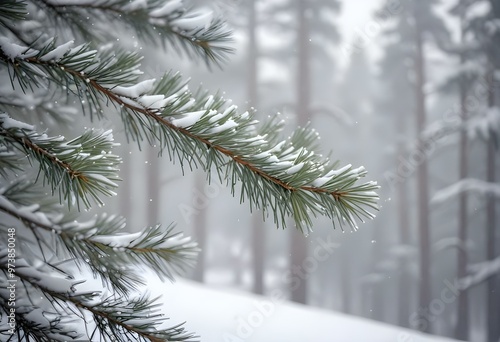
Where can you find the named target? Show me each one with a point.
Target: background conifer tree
(55, 65)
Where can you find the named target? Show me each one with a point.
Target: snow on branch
(480, 187)
(479, 273)
(47, 295)
(486, 126)
(132, 319)
(80, 169)
(96, 241)
(196, 32)
(11, 10)
(207, 130)
(160, 249)
(91, 246)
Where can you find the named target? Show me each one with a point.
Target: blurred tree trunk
(493, 287)
(298, 246)
(422, 177)
(125, 188)
(154, 185)
(404, 228)
(200, 232)
(462, 324)
(346, 281)
(258, 232)
(493, 231)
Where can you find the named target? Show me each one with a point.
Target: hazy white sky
(356, 18)
(356, 14)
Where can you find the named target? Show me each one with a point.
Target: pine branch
(9, 160)
(131, 318)
(195, 33)
(46, 105)
(12, 10)
(101, 240)
(32, 283)
(121, 318)
(206, 130)
(112, 256)
(163, 251)
(81, 169)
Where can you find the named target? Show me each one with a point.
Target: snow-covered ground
(233, 316)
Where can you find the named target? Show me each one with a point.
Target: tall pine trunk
(493, 296)
(346, 279)
(298, 241)
(462, 325)
(153, 184)
(493, 233)
(125, 189)
(404, 231)
(258, 231)
(422, 179)
(200, 233)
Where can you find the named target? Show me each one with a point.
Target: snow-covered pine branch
(91, 246)
(79, 170)
(206, 130)
(60, 310)
(473, 185)
(486, 126)
(479, 273)
(101, 239)
(197, 33)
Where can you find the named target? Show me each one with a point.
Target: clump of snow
(135, 90)
(29, 213)
(58, 52)
(100, 178)
(196, 20)
(278, 147)
(480, 272)
(117, 240)
(8, 123)
(168, 8)
(187, 105)
(229, 124)
(174, 241)
(189, 119)
(478, 9)
(209, 102)
(14, 51)
(450, 242)
(280, 165)
(465, 185)
(215, 117)
(340, 171)
(294, 169)
(483, 126)
(135, 5)
(319, 182)
(45, 277)
(153, 101)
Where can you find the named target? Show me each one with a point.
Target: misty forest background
(411, 95)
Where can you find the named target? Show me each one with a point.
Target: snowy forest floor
(231, 315)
